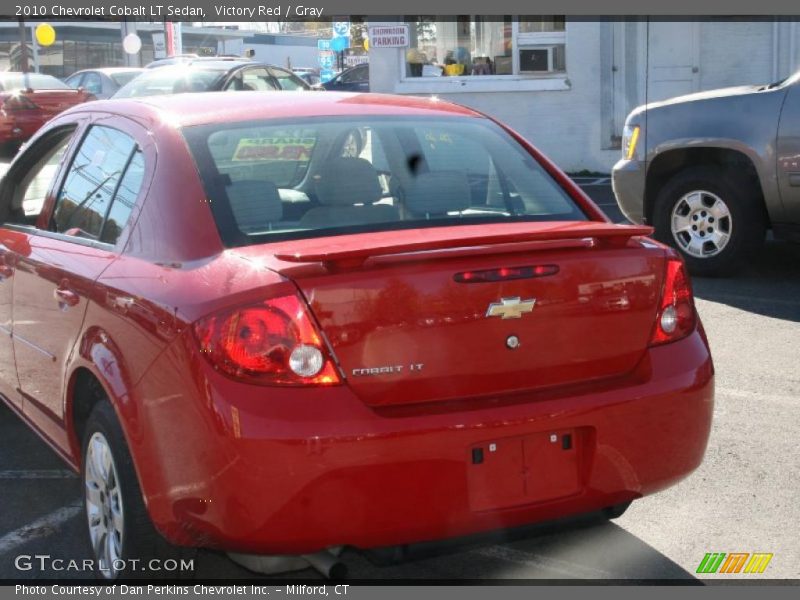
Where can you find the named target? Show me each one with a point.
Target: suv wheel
(708, 214)
(121, 535)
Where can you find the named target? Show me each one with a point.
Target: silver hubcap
(104, 508)
(701, 224)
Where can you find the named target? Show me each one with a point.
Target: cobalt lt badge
(510, 308)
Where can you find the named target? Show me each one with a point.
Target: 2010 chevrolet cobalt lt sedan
(278, 324)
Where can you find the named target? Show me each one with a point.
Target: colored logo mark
(734, 562)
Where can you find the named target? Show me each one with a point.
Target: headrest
(348, 181)
(254, 204)
(438, 192)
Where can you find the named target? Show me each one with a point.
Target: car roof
(186, 110)
(227, 62)
(218, 64)
(110, 70)
(185, 60)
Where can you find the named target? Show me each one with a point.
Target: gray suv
(713, 171)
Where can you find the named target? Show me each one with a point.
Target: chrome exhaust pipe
(327, 565)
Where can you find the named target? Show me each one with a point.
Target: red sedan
(277, 324)
(28, 100)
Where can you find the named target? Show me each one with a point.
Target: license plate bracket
(521, 470)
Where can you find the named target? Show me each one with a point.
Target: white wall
(564, 122)
(735, 53)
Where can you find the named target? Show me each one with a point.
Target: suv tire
(713, 216)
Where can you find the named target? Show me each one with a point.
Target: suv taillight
(676, 316)
(274, 342)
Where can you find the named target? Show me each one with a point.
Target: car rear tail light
(505, 274)
(274, 342)
(18, 102)
(676, 316)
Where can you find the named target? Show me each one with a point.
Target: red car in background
(29, 100)
(283, 323)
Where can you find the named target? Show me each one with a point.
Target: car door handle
(66, 297)
(794, 179)
(5, 272)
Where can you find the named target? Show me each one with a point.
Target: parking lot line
(760, 396)
(39, 528)
(38, 474)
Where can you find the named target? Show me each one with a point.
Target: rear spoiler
(582, 234)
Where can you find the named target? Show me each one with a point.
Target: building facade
(94, 44)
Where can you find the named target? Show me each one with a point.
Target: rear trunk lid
(444, 314)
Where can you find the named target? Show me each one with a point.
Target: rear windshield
(171, 80)
(123, 77)
(34, 81)
(327, 176)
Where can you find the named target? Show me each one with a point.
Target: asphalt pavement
(743, 498)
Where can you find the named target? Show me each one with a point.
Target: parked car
(28, 100)
(713, 171)
(310, 76)
(354, 79)
(186, 59)
(212, 76)
(178, 59)
(247, 338)
(102, 83)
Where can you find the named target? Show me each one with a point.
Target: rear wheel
(121, 535)
(713, 217)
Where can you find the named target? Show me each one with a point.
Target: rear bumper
(628, 182)
(9, 130)
(13, 129)
(275, 471)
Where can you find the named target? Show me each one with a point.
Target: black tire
(140, 542)
(747, 221)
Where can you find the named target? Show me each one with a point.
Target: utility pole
(23, 47)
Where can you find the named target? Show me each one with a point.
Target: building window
(485, 45)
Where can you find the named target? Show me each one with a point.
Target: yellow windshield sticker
(274, 148)
(434, 138)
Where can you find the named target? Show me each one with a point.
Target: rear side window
(124, 200)
(93, 83)
(287, 81)
(253, 80)
(40, 182)
(101, 186)
(74, 81)
(357, 75)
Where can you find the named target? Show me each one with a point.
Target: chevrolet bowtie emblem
(510, 308)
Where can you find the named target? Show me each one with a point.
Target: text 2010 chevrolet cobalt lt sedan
(277, 324)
